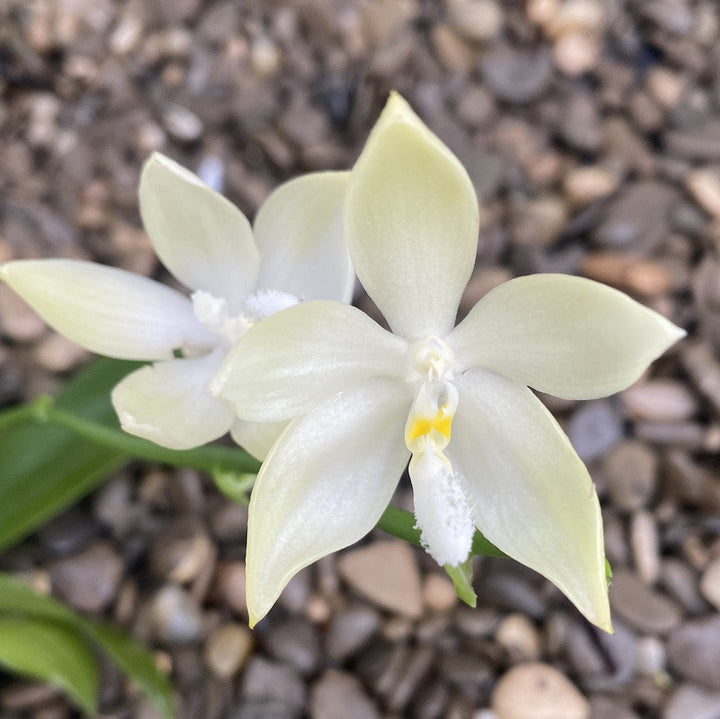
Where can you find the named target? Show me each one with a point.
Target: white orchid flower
(483, 451)
(237, 277)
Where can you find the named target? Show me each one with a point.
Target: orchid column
(483, 451)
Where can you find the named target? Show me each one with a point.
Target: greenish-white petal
(411, 222)
(108, 310)
(199, 235)
(295, 359)
(324, 485)
(299, 232)
(168, 404)
(256, 437)
(530, 494)
(568, 336)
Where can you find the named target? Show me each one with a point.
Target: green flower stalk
(453, 401)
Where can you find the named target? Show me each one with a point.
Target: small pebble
(18, 321)
(710, 583)
(230, 585)
(519, 637)
(641, 607)
(271, 682)
(516, 76)
(296, 643)
(227, 649)
(478, 20)
(338, 694)
(537, 691)
(660, 400)
(631, 473)
(704, 185)
(693, 652)
(587, 184)
(692, 702)
(176, 616)
(438, 593)
(89, 580)
(182, 124)
(350, 630)
(594, 429)
(650, 656)
(386, 573)
(645, 544)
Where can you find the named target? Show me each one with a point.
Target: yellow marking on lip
(441, 423)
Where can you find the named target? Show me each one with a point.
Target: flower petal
(532, 496)
(256, 437)
(107, 310)
(411, 223)
(299, 232)
(168, 404)
(324, 485)
(295, 359)
(199, 235)
(564, 335)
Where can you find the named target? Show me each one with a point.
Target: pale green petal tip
(158, 166)
(397, 111)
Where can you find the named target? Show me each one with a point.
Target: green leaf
(462, 579)
(17, 600)
(55, 452)
(137, 663)
(53, 652)
(45, 468)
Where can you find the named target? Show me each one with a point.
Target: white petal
(324, 485)
(299, 232)
(199, 235)
(441, 509)
(295, 359)
(411, 223)
(257, 438)
(532, 496)
(564, 335)
(107, 310)
(168, 404)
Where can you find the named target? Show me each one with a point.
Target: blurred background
(591, 130)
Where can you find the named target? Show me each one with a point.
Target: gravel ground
(591, 131)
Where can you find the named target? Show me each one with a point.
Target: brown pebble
(537, 691)
(660, 400)
(638, 275)
(18, 321)
(631, 473)
(710, 583)
(704, 370)
(438, 593)
(641, 607)
(227, 649)
(519, 637)
(645, 544)
(704, 185)
(386, 573)
(587, 184)
(89, 580)
(230, 585)
(58, 354)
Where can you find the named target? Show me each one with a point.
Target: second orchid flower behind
(238, 275)
(483, 451)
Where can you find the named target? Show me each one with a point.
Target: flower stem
(216, 461)
(207, 459)
(401, 523)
